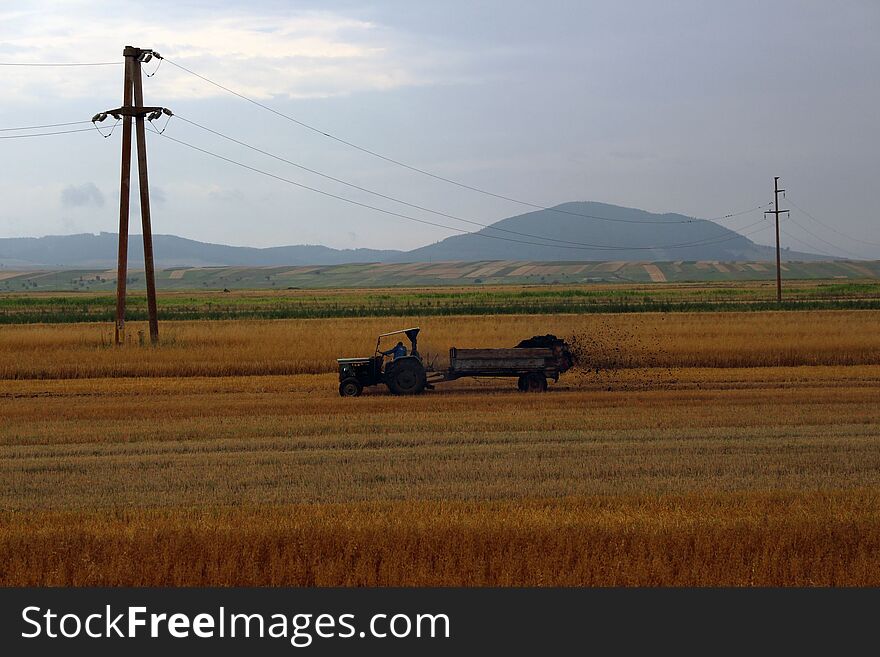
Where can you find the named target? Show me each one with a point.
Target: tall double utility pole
(776, 211)
(133, 107)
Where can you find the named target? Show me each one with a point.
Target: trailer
(532, 367)
(532, 362)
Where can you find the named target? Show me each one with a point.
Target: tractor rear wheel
(350, 387)
(407, 377)
(534, 382)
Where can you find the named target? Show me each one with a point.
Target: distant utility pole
(134, 91)
(776, 211)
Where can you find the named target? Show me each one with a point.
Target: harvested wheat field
(693, 449)
(241, 348)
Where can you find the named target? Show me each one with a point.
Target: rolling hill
(582, 232)
(88, 250)
(425, 274)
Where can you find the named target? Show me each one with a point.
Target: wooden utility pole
(776, 211)
(143, 185)
(124, 189)
(133, 107)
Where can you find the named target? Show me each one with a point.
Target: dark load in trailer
(532, 362)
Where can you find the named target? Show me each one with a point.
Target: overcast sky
(687, 107)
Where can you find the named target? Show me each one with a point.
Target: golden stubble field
(707, 449)
(244, 348)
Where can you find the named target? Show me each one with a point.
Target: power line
(439, 225)
(381, 195)
(811, 247)
(824, 241)
(358, 203)
(829, 227)
(742, 212)
(40, 127)
(47, 134)
(423, 171)
(60, 64)
(563, 243)
(743, 232)
(764, 226)
(736, 234)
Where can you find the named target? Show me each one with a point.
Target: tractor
(405, 375)
(532, 362)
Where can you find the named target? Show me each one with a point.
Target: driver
(397, 351)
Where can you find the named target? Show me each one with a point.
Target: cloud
(82, 196)
(258, 51)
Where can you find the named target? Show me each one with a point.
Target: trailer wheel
(534, 382)
(350, 387)
(407, 377)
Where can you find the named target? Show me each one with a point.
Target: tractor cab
(404, 375)
(411, 333)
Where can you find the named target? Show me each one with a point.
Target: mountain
(582, 231)
(571, 231)
(87, 250)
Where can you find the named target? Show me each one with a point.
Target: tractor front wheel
(350, 387)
